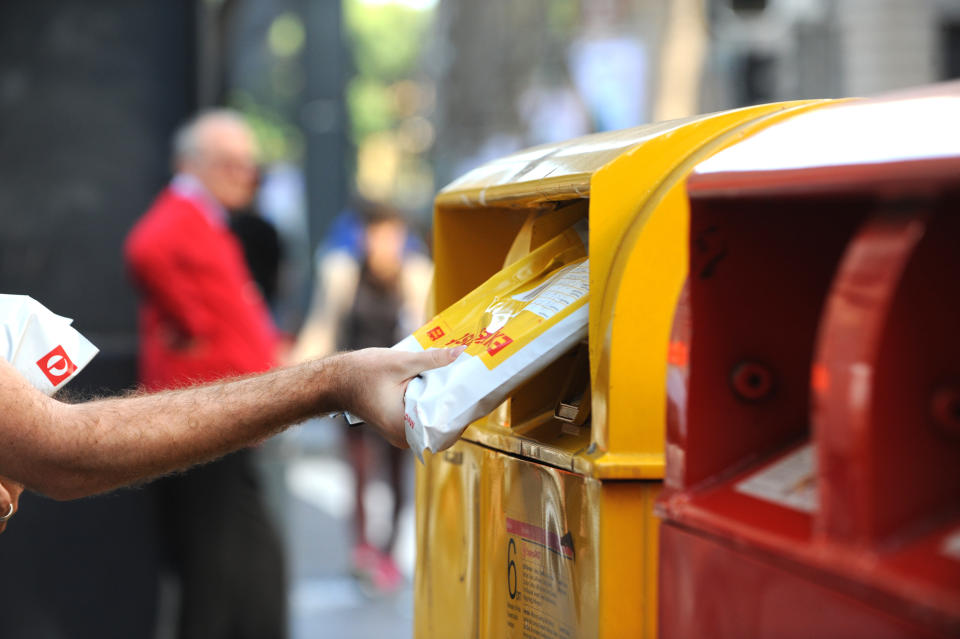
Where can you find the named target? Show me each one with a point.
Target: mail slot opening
(556, 401)
(760, 271)
(473, 244)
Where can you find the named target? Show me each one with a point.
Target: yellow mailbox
(539, 522)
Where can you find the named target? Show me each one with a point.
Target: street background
(384, 100)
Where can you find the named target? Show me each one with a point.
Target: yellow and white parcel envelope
(514, 325)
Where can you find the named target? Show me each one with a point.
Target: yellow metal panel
(448, 544)
(628, 559)
(469, 246)
(651, 546)
(506, 544)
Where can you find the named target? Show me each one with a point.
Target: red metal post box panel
(773, 599)
(813, 440)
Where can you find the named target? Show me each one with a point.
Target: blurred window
(757, 78)
(951, 50)
(748, 5)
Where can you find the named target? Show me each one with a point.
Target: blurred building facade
(510, 75)
(764, 50)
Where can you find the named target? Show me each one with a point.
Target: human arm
(72, 450)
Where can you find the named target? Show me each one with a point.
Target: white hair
(186, 141)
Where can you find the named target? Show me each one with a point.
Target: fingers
(374, 382)
(433, 358)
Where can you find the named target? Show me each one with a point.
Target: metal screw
(945, 408)
(752, 381)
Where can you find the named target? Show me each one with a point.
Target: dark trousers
(226, 551)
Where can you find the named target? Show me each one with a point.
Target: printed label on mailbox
(790, 482)
(538, 604)
(951, 545)
(545, 535)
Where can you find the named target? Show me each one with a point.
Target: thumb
(433, 358)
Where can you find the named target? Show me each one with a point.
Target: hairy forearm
(69, 451)
(108, 443)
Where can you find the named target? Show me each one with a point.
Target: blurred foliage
(286, 35)
(386, 41)
(279, 139)
(386, 38)
(271, 98)
(389, 100)
(370, 104)
(563, 18)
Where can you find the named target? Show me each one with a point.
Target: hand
(372, 383)
(10, 492)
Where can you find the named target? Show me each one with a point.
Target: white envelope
(41, 345)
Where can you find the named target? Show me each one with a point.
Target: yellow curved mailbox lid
(633, 180)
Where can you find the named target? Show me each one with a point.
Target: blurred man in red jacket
(202, 318)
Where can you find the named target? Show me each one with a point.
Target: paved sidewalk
(325, 600)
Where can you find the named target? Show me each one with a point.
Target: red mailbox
(813, 447)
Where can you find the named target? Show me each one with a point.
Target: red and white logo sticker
(56, 365)
(498, 342)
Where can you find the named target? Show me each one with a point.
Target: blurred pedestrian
(202, 318)
(262, 250)
(377, 277)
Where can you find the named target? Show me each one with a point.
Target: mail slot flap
(887, 376)
(549, 172)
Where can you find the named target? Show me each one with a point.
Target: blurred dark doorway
(89, 94)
